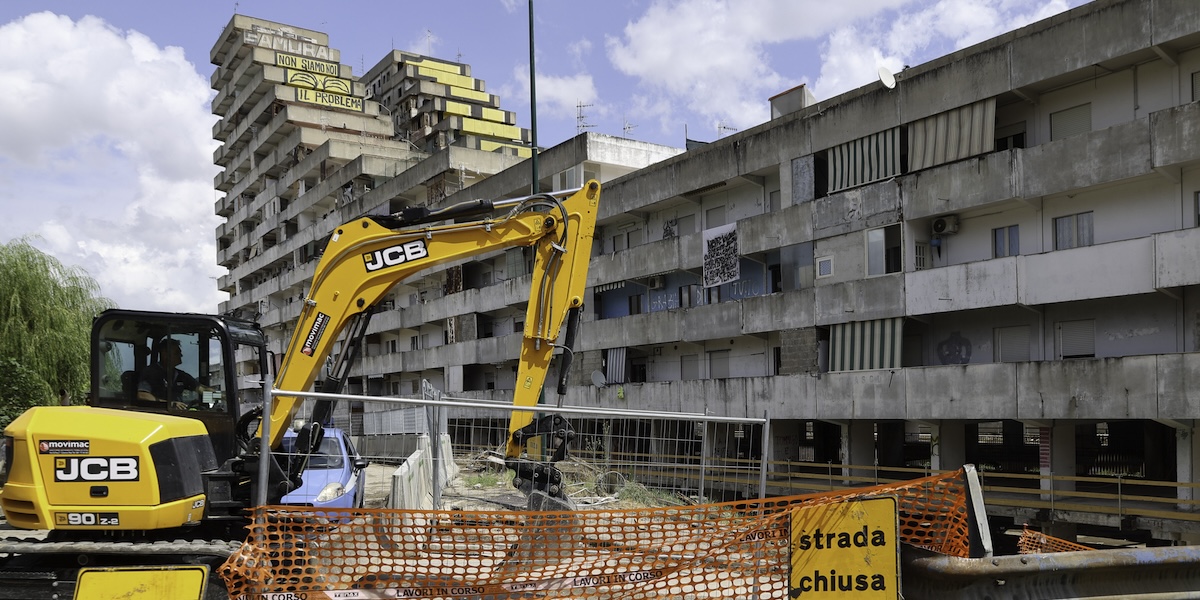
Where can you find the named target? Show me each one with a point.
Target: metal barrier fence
(677, 457)
(695, 457)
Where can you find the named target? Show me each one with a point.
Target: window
(620, 242)
(775, 274)
(685, 225)
(626, 239)
(690, 295)
(635, 304)
(689, 367)
(714, 295)
(1196, 86)
(714, 217)
(1010, 136)
(1072, 121)
(1073, 231)
(1076, 339)
(1006, 241)
(774, 201)
(718, 364)
(638, 370)
(518, 326)
(883, 250)
(1012, 344)
(824, 266)
(1197, 208)
(414, 343)
(921, 256)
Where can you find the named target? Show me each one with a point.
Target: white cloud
(579, 50)
(714, 55)
(558, 95)
(107, 159)
(425, 42)
(852, 55)
(723, 59)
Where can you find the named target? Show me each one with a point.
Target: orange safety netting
(734, 549)
(1036, 542)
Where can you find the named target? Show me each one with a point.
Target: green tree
(46, 312)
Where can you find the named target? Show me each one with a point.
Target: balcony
(1161, 261)
(1156, 386)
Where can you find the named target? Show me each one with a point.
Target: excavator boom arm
(364, 259)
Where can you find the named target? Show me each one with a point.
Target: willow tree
(46, 312)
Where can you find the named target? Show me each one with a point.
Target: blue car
(335, 474)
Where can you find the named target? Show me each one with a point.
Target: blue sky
(105, 129)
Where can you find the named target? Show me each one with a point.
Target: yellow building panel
(484, 113)
(438, 65)
(490, 146)
(452, 79)
(457, 108)
(496, 130)
(460, 92)
(494, 114)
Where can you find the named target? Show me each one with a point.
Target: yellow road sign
(846, 547)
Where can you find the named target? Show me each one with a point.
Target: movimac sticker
(65, 447)
(314, 334)
(395, 255)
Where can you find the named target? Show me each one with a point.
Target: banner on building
(331, 100)
(721, 264)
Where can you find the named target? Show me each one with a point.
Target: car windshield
(328, 456)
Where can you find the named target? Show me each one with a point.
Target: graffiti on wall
(954, 350)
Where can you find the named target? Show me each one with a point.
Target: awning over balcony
(864, 160)
(614, 367)
(952, 135)
(863, 345)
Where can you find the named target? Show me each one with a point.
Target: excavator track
(35, 568)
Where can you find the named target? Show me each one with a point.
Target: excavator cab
(159, 446)
(180, 364)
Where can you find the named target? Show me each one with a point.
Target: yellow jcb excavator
(160, 469)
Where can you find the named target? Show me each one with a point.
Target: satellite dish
(598, 379)
(886, 78)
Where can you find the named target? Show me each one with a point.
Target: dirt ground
(458, 494)
(481, 486)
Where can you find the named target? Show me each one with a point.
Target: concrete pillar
(889, 450)
(656, 438)
(949, 448)
(1061, 530)
(1061, 463)
(1187, 460)
(858, 445)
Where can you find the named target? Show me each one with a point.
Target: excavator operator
(163, 381)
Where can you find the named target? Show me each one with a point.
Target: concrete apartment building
(996, 261)
(307, 146)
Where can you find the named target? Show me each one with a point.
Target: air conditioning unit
(945, 225)
(657, 283)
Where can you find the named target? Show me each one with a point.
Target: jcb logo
(395, 255)
(96, 468)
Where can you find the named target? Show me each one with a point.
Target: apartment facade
(1003, 248)
(996, 261)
